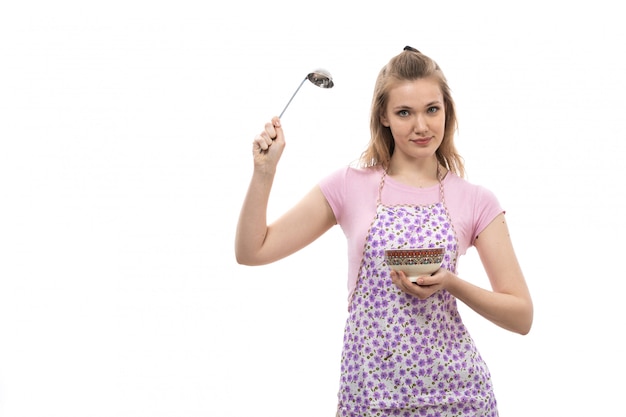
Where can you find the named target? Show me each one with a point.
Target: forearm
(509, 311)
(252, 225)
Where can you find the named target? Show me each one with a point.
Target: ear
(384, 121)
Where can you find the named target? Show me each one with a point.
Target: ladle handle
(294, 94)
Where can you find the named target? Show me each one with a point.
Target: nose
(419, 124)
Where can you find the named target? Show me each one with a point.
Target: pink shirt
(353, 192)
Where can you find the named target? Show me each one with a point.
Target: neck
(416, 173)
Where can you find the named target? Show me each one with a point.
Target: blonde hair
(408, 66)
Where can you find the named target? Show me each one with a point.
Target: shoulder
(350, 189)
(474, 206)
(471, 201)
(350, 175)
(466, 189)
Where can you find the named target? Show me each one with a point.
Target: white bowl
(415, 262)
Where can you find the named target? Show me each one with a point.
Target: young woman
(406, 350)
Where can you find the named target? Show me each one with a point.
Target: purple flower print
(403, 355)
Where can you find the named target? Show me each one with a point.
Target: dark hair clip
(410, 48)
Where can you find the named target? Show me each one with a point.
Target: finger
(276, 123)
(262, 142)
(277, 130)
(269, 131)
(396, 278)
(429, 279)
(404, 282)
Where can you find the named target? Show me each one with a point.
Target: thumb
(280, 136)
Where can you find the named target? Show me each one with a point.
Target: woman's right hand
(258, 243)
(268, 146)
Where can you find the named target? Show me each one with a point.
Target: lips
(421, 141)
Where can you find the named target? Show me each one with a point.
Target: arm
(256, 243)
(508, 305)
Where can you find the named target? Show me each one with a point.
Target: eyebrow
(432, 103)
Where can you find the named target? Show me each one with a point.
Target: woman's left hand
(425, 286)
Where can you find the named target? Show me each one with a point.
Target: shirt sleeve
(333, 187)
(486, 209)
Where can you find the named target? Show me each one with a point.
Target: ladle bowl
(319, 77)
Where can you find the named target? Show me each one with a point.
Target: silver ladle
(319, 77)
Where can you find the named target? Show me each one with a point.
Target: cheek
(401, 130)
(442, 123)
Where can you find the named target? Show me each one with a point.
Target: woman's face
(415, 114)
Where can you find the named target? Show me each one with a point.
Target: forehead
(422, 91)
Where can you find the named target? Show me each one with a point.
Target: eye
(433, 109)
(403, 113)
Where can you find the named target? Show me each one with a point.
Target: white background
(125, 153)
